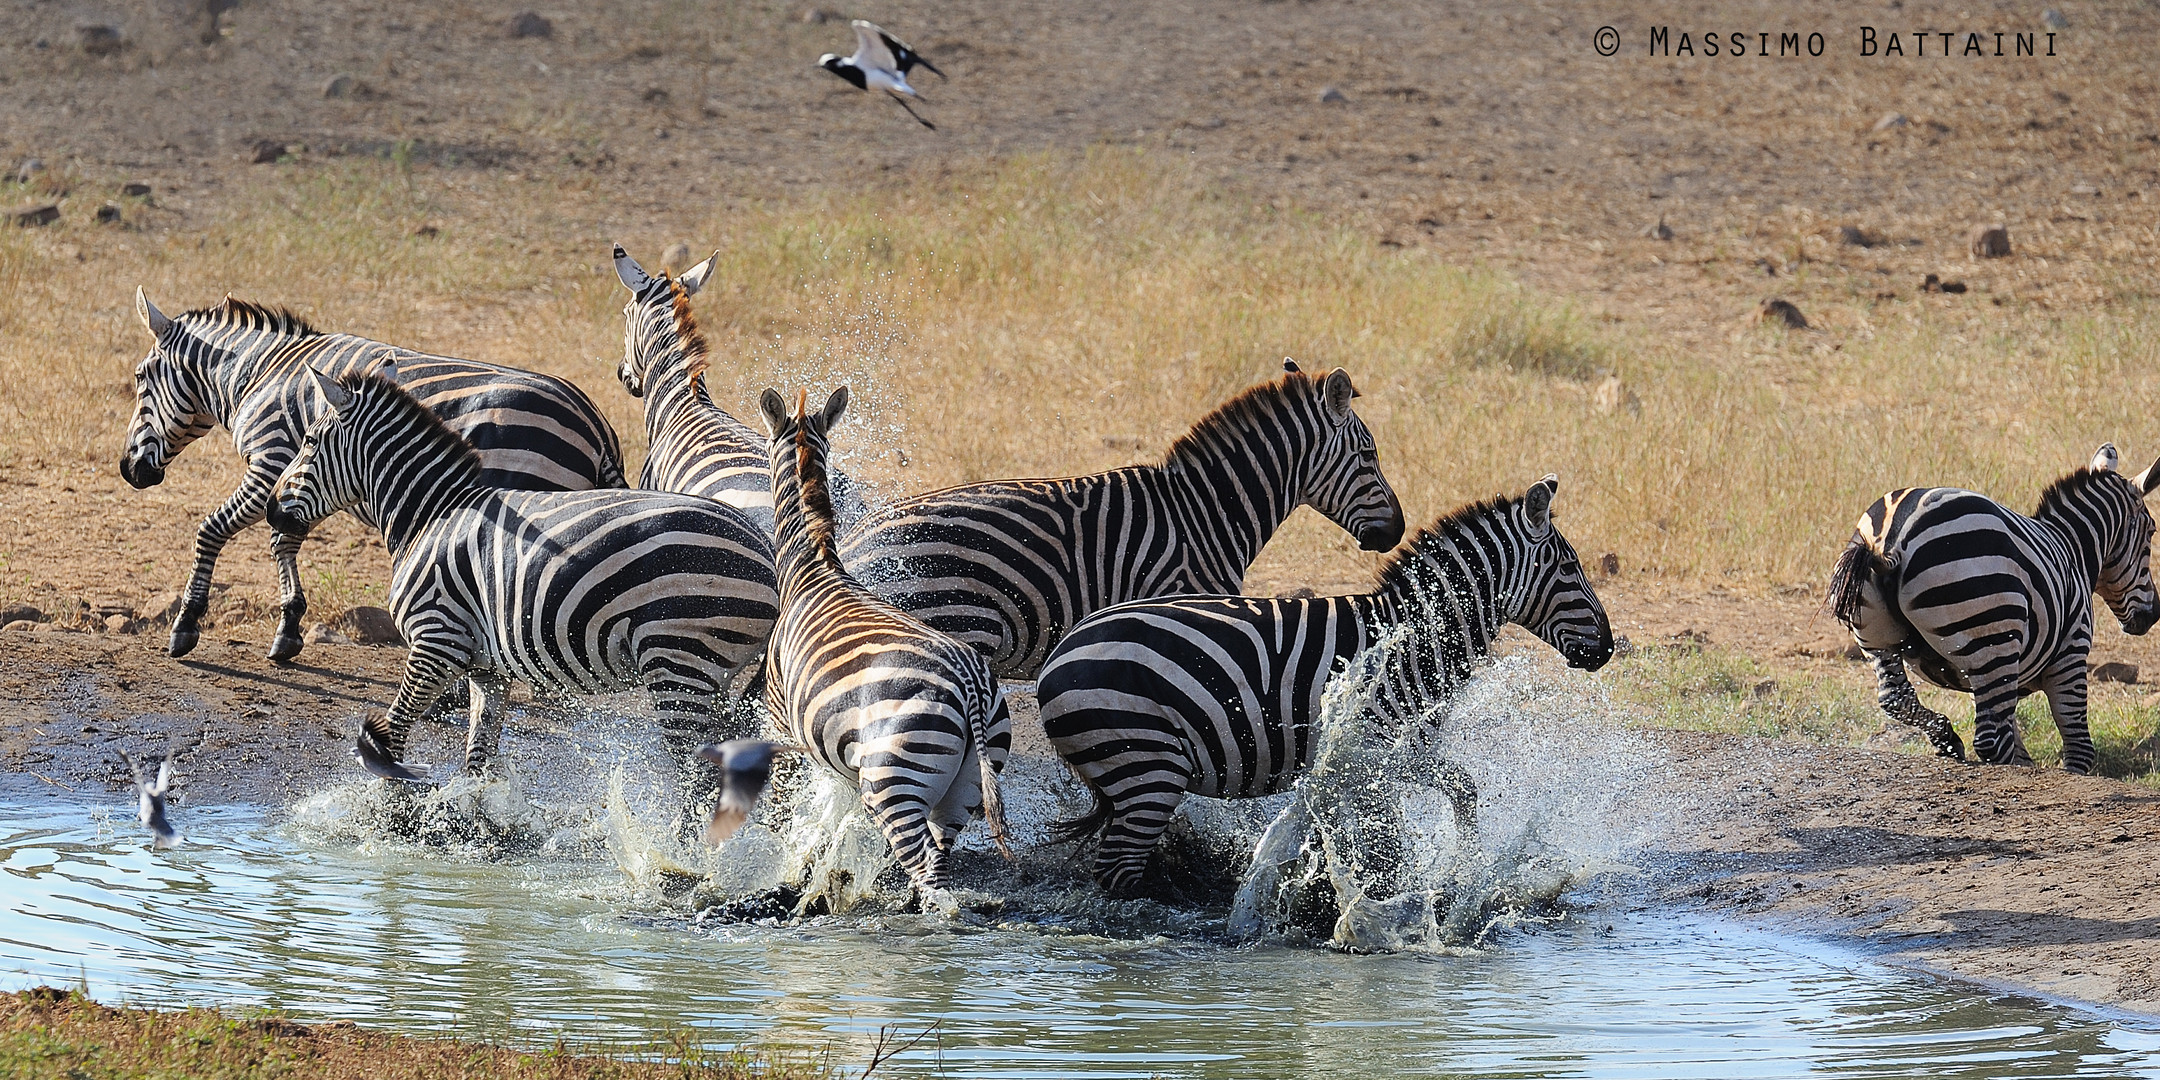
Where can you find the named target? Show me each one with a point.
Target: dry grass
(48, 1034)
(1069, 312)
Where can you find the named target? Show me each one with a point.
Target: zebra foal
(577, 592)
(1007, 566)
(1156, 700)
(912, 717)
(1985, 600)
(247, 367)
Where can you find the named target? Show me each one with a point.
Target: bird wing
(905, 58)
(164, 776)
(870, 48)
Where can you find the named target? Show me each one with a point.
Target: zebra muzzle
(284, 516)
(138, 474)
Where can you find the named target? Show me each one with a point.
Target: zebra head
(655, 321)
(1342, 479)
(2114, 511)
(171, 406)
(322, 479)
(1553, 598)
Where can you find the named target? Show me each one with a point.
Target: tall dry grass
(1064, 313)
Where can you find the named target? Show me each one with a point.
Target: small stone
(12, 613)
(100, 39)
(1612, 395)
(428, 230)
(1779, 310)
(1333, 96)
(1990, 241)
(19, 626)
(1659, 231)
(1857, 236)
(321, 634)
(818, 16)
(2053, 20)
(340, 85)
(135, 191)
(2115, 671)
(1609, 564)
(32, 214)
(531, 24)
(676, 258)
(373, 626)
(2085, 189)
(265, 152)
(1891, 120)
(1935, 284)
(108, 214)
(119, 624)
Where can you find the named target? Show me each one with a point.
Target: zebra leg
(683, 704)
(1995, 731)
(1456, 783)
(1136, 822)
(292, 603)
(1895, 693)
(483, 736)
(429, 670)
(900, 813)
(242, 508)
(2066, 701)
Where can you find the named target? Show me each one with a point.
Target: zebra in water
(246, 366)
(912, 717)
(1987, 601)
(1007, 566)
(1219, 696)
(575, 592)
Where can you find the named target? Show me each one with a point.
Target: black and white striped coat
(578, 592)
(1986, 600)
(910, 716)
(246, 367)
(1220, 695)
(1007, 566)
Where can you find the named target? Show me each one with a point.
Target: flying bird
(881, 62)
(745, 766)
(152, 811)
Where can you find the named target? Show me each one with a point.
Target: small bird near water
(881, 62)
(745, 767)
(152, 811)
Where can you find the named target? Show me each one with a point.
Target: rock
(19, 626)
(1779, 310)
(1609, 564)
(531, 24)
(1935, 284)
(2053, 20)
(135, 191)
(2092, 190)
(108, 214)
(373, 626)
(14, 613)
(164, 607)
(321, 634)
(1857, 236)
(119, 624)
(2115, 671)
(1659, 231)
(1990, 241)
(265, 152)
(1891, 120)
(676, 258)
(428, 230)
(1612, 395)
(1333, 96)
(340, 85)
(32, 214)
(100, 39)
(819, 16)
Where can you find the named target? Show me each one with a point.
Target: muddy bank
(2031, 878)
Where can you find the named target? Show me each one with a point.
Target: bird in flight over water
(745, 768)
(881, 62)
(152, 811)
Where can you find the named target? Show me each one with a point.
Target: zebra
(1989, 602)
(245, 366)
(1155, 700)
(1007, 566)
(895, 707)
(575, 592)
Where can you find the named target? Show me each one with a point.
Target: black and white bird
(152, 811)
(881, 62)
(745, 768)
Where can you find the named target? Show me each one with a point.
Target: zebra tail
(1848, 582)
(1086, 825)
(993, 800)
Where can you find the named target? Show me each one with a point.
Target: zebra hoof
(377, 761)
(183, 642)
(284, 646)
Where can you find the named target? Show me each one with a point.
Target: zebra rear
(1996, 604)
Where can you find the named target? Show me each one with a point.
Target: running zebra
(1987, 601)
(1220, 695)
(575, 592)
(1007, 566)
(245, 366)
(912, 717)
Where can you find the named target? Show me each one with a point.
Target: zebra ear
(153, 320)
(2105, 460)
(337, 397)
(634, 277)
(2149, 479)
(1537, 504)
(775, 409)
(1336, 392)
(1289, 366)
(693, 279)
(835, 407)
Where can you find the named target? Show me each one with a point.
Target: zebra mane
(377, 385)
(695, 354)
(1404, 558)
(812, 483)
(253, 316)
(1251, 403)
(2056, 496)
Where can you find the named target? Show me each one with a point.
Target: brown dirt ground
(1490, 132)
